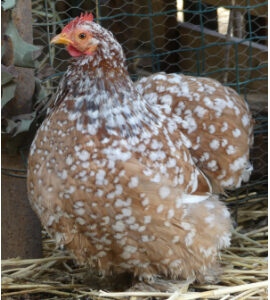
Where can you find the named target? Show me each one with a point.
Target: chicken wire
(225, 40)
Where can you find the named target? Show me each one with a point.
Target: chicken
(215, 120)
(110, 176)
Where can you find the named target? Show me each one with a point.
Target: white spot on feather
(211, 129)
(212, 165)
(200, 111)
(80, 220)
(186, 141)
(224, 142)
(121, 203)
(171, 163)
(164, 192)
(230, 150)
(160, 208)
(130, 249)
(238, 164)
(127, 212)
(145, 202)
(156, 178)
(119, 226)
(166, 100)
(224, 127)
(236, 132)
(50, 221)
(147, 219)
(245, 120)
(176, 263)
(193, 198)
(69, 160)
(63, 175)
(205, 156)
(80, 211)
(83, 155)
(189, 238)
(170, 213)
(133, 182)
(100, 177)
(176, 239)
(214, 144)
(206, 252)
(227, 183)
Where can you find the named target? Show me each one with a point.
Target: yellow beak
(61, 39)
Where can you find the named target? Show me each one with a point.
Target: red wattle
(73, 51)
(76, 53)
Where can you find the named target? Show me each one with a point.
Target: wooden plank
(258, 102)
(21, 230)
(257, 11)
(214, 57)
(22, 18)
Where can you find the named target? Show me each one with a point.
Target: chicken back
(215, 119)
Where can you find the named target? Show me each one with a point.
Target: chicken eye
(82, 36)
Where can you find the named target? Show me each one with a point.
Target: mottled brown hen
(215, 119)
(110, 175)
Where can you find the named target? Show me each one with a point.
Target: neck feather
(102, 99)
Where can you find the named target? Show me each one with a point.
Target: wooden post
(238, 28)
(21, 230)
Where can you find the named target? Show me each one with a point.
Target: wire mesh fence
(224, 39)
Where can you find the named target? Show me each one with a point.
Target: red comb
(78, 20)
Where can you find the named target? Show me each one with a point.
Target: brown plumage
(111, 176)
(214, 118)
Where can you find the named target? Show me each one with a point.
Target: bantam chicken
(110, 175)
(214, 118)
